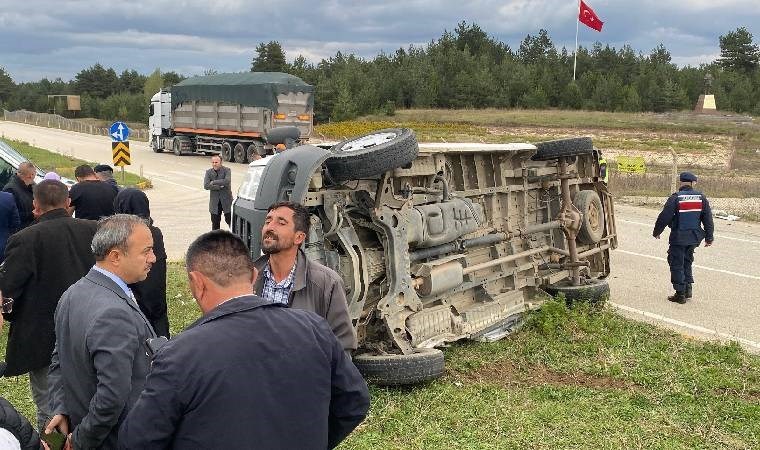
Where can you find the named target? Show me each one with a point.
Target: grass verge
(64, 165)
(571, 378)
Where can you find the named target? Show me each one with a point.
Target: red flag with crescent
(588, 17)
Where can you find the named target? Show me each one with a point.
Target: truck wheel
(240, 153)
(226, 151)
(595, 292)
(177, 147)
(423, 365)
(255, 151)
(154, 146)
(372, 154)
(549, 150)
(592, 225)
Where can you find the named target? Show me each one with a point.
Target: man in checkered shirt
(288, 277)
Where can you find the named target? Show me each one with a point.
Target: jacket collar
(20, 183)
(53, 214)
(299, 281)
(103, 281)
(232, 306)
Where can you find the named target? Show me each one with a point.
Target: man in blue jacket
(685, 212)
(249, 373)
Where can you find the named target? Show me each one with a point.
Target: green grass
(64, 165)
(571, 378)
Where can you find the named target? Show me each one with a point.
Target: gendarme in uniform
(685, 212)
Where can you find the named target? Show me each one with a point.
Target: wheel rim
(226, 152)
(240, 153)
(368, 141)
(253, 152)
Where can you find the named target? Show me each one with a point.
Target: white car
(10, 159)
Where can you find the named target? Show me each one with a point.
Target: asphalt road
(726, 303)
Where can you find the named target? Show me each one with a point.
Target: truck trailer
(230, 114)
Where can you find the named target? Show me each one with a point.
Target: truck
(230, 114)
(443, 241)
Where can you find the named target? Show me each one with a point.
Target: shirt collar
(115, 279)
(287, 281)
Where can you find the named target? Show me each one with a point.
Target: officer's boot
(687, 292)
(678, 297)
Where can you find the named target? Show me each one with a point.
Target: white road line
(721, 236)
(686, 325)
(182, 174)
(737, 274)
(177, 184)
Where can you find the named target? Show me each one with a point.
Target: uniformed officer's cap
(688, 176)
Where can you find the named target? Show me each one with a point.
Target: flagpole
(575, 55)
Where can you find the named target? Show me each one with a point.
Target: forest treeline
(464, 68)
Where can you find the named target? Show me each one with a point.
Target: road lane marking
(177, 184)
(697, 328)
(728, 272)
(722, 236)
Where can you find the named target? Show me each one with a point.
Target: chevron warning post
(120, 151)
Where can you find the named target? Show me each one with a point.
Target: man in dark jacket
(42, 261)
(104, 172)
(20, 185)
(9, 220)
(288, 277)
(685, 212)
(150, 293)
(218, 180)
(249, 373)
(90, 197)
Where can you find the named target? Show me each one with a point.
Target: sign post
(120, 147)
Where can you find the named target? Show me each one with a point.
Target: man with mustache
(100, 360)
(288, 277)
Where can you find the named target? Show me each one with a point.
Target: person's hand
(58, 422)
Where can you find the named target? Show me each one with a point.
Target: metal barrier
(62, 123)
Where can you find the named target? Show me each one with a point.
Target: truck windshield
(251, 182)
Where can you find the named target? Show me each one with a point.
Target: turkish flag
(588, 17)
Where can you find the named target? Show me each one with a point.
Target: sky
(57, 39)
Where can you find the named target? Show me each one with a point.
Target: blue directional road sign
(119, 132)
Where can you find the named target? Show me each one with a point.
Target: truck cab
(160, 116)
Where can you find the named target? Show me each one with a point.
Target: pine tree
(737, 52)
(269, 58)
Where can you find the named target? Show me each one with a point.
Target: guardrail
(62, 123)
